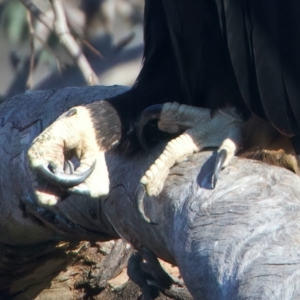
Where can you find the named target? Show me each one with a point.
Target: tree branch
(240, 240)
(38, 14)
(59, 25)
(62, 31)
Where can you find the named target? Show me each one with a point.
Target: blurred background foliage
(13, 21)
(109, 33)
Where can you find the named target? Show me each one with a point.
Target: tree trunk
(237, 241)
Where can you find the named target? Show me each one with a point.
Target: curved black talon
(150, 113)
(62, 179)
(68, 167)
(209, 173)
(220, 159)
(139, 202)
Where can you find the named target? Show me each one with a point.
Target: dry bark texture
(239, 241)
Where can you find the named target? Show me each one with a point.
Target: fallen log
(237, 241)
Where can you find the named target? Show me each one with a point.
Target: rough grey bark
(239, 241)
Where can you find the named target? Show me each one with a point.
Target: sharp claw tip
(62, 179)
(139, 199)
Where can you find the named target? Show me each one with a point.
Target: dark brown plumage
(218, 53)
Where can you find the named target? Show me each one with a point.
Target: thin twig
(125, 41)
(66, 38)
(29, 82)
(38, 14)
(93, 49)
(62, 31)
(49, 50)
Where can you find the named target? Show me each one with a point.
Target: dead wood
(238, 241)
